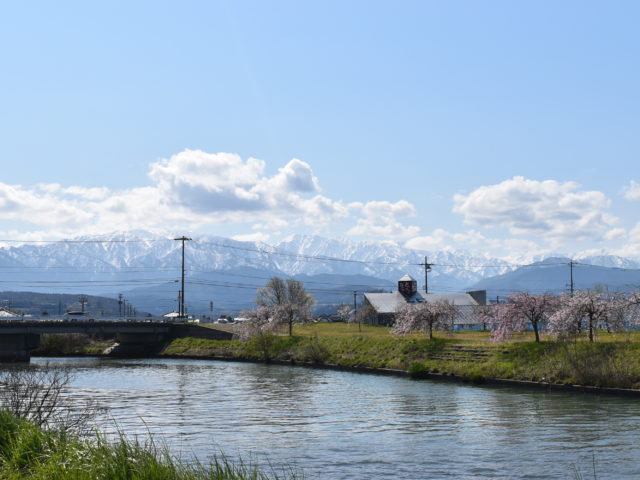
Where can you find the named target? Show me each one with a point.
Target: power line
(304, 256)
(85, 241)
(255, 287)
(306, 282)
(274, 251)
(505, 265)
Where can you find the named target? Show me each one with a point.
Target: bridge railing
(89, 318)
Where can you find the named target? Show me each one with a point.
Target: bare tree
(365, 314)
(288, 301)
(38, 394)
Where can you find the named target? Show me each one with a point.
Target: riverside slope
(612, 365)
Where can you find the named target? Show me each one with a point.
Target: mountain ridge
(140, 262)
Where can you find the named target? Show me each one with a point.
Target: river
(342, 425)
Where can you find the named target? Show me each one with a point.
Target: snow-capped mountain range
(142, 263)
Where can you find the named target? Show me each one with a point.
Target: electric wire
(110, 269)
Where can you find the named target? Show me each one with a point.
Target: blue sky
(498, 127)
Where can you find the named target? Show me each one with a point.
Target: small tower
(407, 286)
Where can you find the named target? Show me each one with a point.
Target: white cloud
(632, 246)
(295, 176)
(321, 211)
(88, 193)
(632, 191)
(193, 190)
(270, 223)
(381, 219)
(558, 211)
(40, 208)
(93, 193)
(615, 233)
(443, 240)
(439, 239)
(223, 182)
(190, 190)
(252, 237)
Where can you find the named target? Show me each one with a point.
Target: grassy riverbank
(29, 452)
(614, 361)
(71, 344)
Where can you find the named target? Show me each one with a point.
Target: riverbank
(613, 363)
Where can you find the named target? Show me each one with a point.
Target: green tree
(287, 300)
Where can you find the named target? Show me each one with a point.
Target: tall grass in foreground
(30, 452)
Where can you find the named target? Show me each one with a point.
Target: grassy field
(613, 361)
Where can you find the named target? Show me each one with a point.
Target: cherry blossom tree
(259, 326)
(621, 307)
(287, 300)
(345, 313)
(521, 310)
(425, 316)
(258, 321)
(586, 309)
(485, 314)
(632, 310)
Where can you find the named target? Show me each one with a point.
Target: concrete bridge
(135, 338)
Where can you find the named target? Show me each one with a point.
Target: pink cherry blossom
(425, 316)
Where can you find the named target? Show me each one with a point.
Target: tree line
(285, 302)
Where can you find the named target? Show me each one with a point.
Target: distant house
(6, 314)
(386, 305)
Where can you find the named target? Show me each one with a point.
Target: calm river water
(339, 425)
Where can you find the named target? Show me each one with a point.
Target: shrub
(418, 371)
(313, 351)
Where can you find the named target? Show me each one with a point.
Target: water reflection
(341, 425)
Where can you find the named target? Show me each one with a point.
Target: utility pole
(355, 310)
(181, 305)
(120, 305)
(82, 299)
(427, 269)
(571, 277)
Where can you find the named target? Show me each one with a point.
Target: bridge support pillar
(138, 344)
(16, 347)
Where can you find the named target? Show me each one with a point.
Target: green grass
(29, 452)
(613, 361)
(70, 344)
